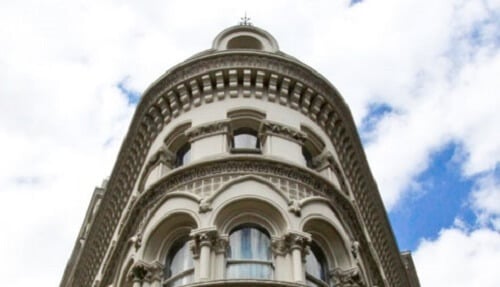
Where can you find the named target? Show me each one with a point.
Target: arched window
(316, 267)
(249, 254)
(183, 155)
(179, 267)
(245, 138)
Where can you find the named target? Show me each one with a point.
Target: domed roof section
(245, 37)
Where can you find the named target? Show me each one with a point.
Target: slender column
(205, 246)
(298, 245)
(203, 241)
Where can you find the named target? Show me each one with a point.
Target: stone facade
(187, 177)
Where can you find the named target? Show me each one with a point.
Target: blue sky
(420, 77)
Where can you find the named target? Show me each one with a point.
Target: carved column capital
(202, 237)
(138, 272)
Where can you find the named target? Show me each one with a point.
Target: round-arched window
(249, 254)
(316, 267)
(179, 267)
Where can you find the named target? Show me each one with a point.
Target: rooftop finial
(245, 21)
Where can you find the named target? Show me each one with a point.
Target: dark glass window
(179, 267)
(245, 138)
(249, 254)
(307, 157)
(316, 267)
(183, 155)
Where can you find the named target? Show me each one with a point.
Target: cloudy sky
(422, 79)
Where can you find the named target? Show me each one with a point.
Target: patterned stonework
(216, 77)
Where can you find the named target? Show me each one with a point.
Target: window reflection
(245, 138)
(316, 267)
(249, 254)
(179, 265)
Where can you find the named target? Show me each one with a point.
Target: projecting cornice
(227, 75)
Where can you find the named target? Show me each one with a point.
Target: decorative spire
(245, 21)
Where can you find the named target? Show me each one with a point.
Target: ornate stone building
(242, 167)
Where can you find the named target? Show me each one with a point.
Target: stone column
(220, 248)
(298, 246)
(203, 242)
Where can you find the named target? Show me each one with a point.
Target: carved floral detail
(280, 130)
(207, 130)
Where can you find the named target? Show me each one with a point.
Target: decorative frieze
(206, 130)
(276, 129)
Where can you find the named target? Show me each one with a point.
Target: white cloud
(459, 258)
(485, 199)
(62, 117)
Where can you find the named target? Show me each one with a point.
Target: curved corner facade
(242, 166)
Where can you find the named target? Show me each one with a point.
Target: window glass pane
(181, 260)
(245, 140)
(249, 243)
(249, 270)
(184, 280)
(315, 263)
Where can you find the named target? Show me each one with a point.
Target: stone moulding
(169, 97)
(240, 165)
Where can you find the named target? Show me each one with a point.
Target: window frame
(320, 256)
(231, 261)
(173, 250)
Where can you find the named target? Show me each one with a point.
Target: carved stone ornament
(205, 237)
(205, 206)
(294, 207)
(271, 128)
(355, 249)
(347, 278)
(210, 129)
(139, 271)
(284, 245)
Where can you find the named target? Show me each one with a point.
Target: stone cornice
(215, 77)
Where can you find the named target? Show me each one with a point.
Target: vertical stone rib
(306, 101)
(295, 98)
(195, 92)
(184, 97)
(247, 77)
(259, 84)
(219, 85)
(233, 83)
(285, 84)
(207, 88)
(273, 88)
